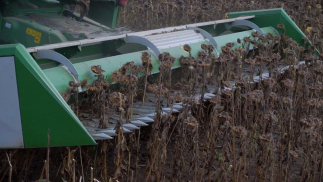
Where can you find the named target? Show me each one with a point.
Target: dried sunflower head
(145, 56)
(247, 39)
(155, 89)
(210, 48)
(230, 44)
(116, 76)
(72, 84)
(83, 82)
(288, 83)
(117, 99)
(225, 49)
(239, 131)
(281, 26)
(97, 69)
(255, 34)
(265, 138)
(130, 79)
(204, 47)
(187, 48)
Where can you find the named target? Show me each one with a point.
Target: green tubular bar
(60, 77)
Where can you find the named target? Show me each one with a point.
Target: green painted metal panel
(104, 12)
(42, 107)
(7, 50)
(17, 33)
(60, 77)
(16, 8)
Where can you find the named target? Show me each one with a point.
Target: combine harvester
(45, 45)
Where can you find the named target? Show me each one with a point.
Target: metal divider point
(143, 41)
(55, 56)
(207, 36)
(244, 23)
